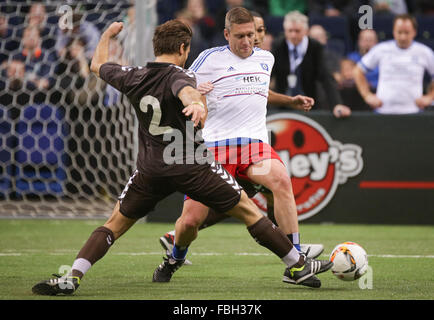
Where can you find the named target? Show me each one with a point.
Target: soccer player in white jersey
(246, 153)
(235, 128)
(402, 63)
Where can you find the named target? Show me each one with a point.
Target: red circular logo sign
(316, 163)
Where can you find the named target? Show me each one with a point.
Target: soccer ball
(350, 261)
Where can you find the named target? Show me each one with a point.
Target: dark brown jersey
(167, 138)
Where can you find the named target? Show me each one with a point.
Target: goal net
(67, 140)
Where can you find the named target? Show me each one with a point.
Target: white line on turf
(151, 253)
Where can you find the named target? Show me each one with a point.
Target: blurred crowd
(43, 63)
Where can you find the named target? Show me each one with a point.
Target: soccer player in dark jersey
(166, 102)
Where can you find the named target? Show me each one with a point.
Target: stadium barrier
(385, 170)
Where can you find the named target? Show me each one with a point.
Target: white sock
(291, 258)
(81, 265)
(172, 233)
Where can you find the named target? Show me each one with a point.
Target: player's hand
(205, 88)
(424, 101)
(302, 102)
(196, 111)
(114, 29)
(373, 101)
(341, 111)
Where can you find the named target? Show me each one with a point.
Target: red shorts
(236, 159)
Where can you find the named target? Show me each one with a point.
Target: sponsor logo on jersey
(317, 164)
(264, 66)
(231, 69)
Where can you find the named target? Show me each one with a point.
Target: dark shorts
(211, 185)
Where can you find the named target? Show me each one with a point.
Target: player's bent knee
(191, 222)
(281, 185)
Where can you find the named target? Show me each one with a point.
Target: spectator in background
(7, 44)
(366, 40)
(332, 58)
(402, 63)
(299, 64)
(37, 17)
(39, 63)
(12, 81)
(74, 76)
(81, 29)
(347, 86)
(194, 15)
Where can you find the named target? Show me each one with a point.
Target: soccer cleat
(165, 271)
(312, 251)
(58, 285)
(167, 242)
(305, 275)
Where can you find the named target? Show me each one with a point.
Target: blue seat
(41, 151)
(8, 143)
(425, 30)
(274, 25)
(383, 25)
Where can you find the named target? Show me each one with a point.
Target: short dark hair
(256, 14)
(169, 36)
(406, 16)
(237, 15)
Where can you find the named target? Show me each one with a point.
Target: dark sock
(212, 218)
(270, 237)
(95, 248)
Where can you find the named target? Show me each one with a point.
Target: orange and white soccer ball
(350, 261)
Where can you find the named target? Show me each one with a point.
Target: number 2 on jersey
(154, 128)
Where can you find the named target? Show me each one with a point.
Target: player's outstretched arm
(298, 102)
(193, 103)
(102, 50)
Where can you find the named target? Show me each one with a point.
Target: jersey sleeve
(371, 59)
(180, 79)
(201, 66)
(123, 78)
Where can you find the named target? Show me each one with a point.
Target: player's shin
(94, 249)
(271, 237)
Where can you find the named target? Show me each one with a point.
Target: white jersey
(401, 73)
(237, 106)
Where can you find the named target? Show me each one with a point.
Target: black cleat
(165, 271)
(167, 242)
(305, 275)
(58, 285)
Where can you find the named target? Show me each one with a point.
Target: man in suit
(300, 64)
